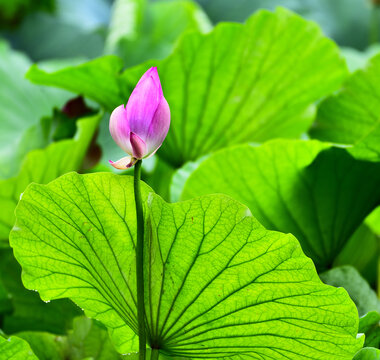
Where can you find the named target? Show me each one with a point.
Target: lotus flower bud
(141, 126)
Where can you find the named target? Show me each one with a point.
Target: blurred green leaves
(22, 105)
(42, 166)
(141, 30)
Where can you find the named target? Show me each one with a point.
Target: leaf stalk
(140, 262)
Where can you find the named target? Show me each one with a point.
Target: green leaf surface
(368, 353)
(359, 290)
(352, 115)
(370, 326)
(153, 28)
(265, 88)
(96, 79)
(262, 89)
(318, 193)
(42, 166)
(15, 348)
(26, 310)
(218, 284)
(22, 105)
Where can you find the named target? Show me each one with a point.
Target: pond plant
(237, 218)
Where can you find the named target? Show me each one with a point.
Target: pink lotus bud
(141, 126)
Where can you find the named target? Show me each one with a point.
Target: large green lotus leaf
(42, 166)
(153, 29)
(15, 348)
(22, 105)
(27, 311)
(368, 353)
(218, 284)
(96, 79)
(318, 193)
(352, 115)
(262, 89)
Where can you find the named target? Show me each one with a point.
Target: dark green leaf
(319, 193)
(27, 311)
(370, 326)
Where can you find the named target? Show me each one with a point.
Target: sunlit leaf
(218, 284)
(262, 89)
(352, 115)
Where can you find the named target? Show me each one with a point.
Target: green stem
(154, 354)
(140, 262)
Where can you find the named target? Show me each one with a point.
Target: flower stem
(140, 262)
(154, 355)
